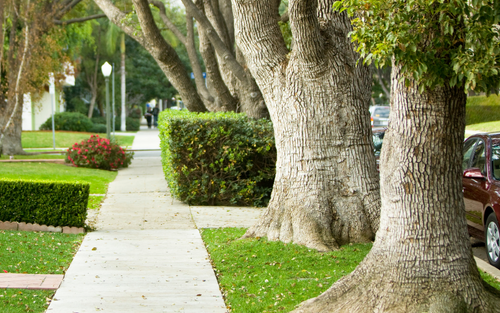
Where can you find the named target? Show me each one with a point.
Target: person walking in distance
(155, 113)
(148, 115)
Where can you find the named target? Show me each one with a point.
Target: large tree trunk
(421, 260)
(326, 187)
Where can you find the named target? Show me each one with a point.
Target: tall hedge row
(44, 202)
(217, 158)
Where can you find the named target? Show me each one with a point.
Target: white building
(35, 114)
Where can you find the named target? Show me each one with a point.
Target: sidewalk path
(146, 255)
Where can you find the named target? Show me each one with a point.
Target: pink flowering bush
(98, 152)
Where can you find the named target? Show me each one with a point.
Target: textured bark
(326, 189)
(226, 69)
(423, 241)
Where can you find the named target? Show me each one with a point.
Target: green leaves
(218, 158)
(435, 42)
(44, 202)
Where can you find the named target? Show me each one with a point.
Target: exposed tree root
(376, 286)
(318, 221)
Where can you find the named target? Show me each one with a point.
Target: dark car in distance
(481, 188)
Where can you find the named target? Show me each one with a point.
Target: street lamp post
(106, 71)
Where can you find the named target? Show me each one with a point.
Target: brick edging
(36, 227)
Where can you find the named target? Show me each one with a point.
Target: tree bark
(423, 241)
(226, 68)
(326, 188)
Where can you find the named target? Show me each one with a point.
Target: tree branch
(117, 17)
(305, 29)
(216, 41)
(259, 36)
(167, 22)
(66, 8)
(167, 58)
(382, 84)
(79, 20)
(195, 63)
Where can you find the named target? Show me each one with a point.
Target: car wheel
(492, 234)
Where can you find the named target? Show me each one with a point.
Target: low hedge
(44, 202)
(132, 124)
(72, 121)
(217, 158)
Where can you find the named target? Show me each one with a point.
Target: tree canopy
(433, 41)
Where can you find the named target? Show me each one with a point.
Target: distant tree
(27, 34)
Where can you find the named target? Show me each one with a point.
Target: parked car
(379, 115)
(481, 187)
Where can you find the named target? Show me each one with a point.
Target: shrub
(99, 120)
(135, 112)
(78, 105)
(217, 158)
(44, 202)
(98, 152)
(133, 124)
(98, 128)
(72, 121)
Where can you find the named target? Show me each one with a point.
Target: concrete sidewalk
(147, 254)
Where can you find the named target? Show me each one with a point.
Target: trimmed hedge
(44, 202)
(72, 121)
(132, 124)
(217, 158)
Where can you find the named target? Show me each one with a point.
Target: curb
(36, 227)
(488, 268)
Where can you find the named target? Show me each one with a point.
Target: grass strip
(34, 253)
(24, 300)
(95, 202)
(98, 179)
(34, 157)
(37, 252)
(486, 127)
(482, 109)
(43, 139)
(256, 275)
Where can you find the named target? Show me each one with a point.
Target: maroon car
(481, 187)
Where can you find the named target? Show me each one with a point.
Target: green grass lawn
(36, 156)
(481, 109)
(43, 139)
(256, 275)
(98, 179)
(33, 253)
(485, 127)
